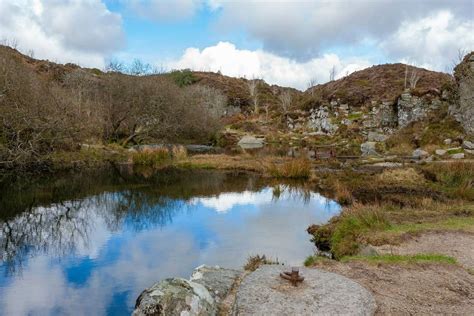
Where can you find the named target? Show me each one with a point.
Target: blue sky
(284, 42)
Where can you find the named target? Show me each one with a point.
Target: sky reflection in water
(97, 263)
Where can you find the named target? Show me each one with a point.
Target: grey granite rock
(201, 295)
(249, 142)
(264, 292)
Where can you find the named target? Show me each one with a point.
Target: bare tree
(332, 73)
(285, 101)
(253, 90)
(114, 65)
(139, 68)
(414, 77)
(311, 83)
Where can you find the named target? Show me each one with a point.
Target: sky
(289, 43)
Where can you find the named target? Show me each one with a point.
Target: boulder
(264, 292)
(419, 153)
(200, 295)
(468, 145)
(250, 142)
(440, 152)
(463, 108)
(457, 156)
(174, 297)
(369, 149)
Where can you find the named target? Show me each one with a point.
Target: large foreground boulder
(264, 292)
(201, 295)
(463, 110)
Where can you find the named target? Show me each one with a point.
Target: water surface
(89, 243)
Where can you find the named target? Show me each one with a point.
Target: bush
(183, 78)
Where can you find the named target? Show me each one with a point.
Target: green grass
(403, 259)
(451, 224)
(455, 151)
(353, 225)
(354, 116)
(311, 260)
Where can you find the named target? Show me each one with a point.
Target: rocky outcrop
(411, 108)
(320, 122)
(264, 292)
(463, 109)
(200, 295)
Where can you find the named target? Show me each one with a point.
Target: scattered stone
(264, 292)
(201, 295)
(471, 152)
(458, 156)
(468, 145)
(440, 152)
(448, 141)
(420, 153)
(250, 142)
(429, 159)
(368, 149)
(376, 137)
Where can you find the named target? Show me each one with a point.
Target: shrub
(183, 77)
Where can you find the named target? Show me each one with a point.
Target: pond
(90, 242)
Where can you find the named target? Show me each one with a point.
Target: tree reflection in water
(56, 216)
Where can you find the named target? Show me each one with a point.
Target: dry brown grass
(406, 176)
(179, 152)
(295, 168)
(342, 193)
(401, 149)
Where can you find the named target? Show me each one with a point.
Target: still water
(89, 243)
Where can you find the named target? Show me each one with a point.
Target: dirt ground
(455, 244)
(418, 289)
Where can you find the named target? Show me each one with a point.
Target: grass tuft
(254, 262)
(296, 168)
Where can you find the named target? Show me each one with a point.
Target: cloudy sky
(282, 41)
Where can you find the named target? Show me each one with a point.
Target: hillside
(378, 83)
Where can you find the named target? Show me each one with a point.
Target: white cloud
(432, 42)
(231, 61)
(302, 29)
(80, 31)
